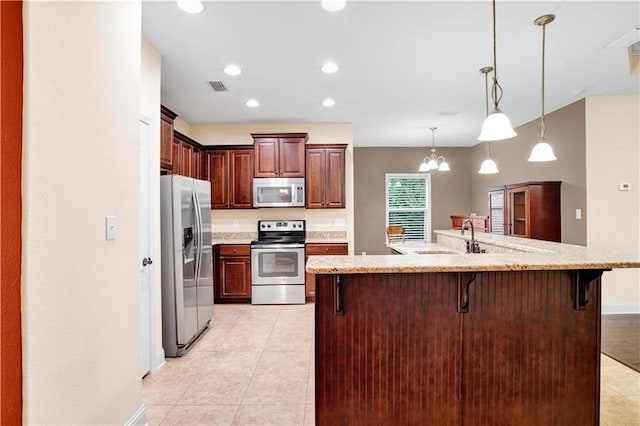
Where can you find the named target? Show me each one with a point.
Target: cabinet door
(176, 147)
(315, 180)
(523, 378)
(186, 160)
(266, 157)
(320, 249)
(497, 212)
(241, 179)
(519, 224)
(196, 164)
(235, 276)
(166, 144)
(291, 157)
(335, 180)
(218, 175)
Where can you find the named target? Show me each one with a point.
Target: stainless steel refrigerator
(187, 263)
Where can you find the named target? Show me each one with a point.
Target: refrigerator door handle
(197, 236)
(196, 202)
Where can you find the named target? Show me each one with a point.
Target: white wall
(81, 328)
(613, 220)
(150, 109)
(317, 219)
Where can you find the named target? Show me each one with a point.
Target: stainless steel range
(277, 263)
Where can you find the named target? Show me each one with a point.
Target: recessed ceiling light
(252, 103)
(333, 5)
(232, 70)
(328, 102)
(329, 68)
(191, 6)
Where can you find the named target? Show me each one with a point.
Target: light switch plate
(578, 213)
(624, 186)
(111, 227)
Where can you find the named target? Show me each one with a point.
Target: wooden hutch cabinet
(279, 154)
(529, 210)
(166, 138)
(325, 180)
(230, 172)
(232, 264)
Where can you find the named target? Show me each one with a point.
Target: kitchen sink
(436, 252)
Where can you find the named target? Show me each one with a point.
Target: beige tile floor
(255, 367)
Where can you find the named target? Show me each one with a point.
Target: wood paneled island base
(458, 348)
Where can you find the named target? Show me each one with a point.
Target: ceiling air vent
(218, 86)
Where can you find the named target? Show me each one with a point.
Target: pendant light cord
(496, 90)
(542, 126)
(486, 93)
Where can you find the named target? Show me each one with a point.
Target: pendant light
(488, 166)
(497, 125)
(431, 162)
(542, 151)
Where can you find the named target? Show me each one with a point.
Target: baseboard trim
(158, 361)
(139, 418)
(620, 309)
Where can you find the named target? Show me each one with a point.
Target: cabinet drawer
(327, 248)
(235, 250)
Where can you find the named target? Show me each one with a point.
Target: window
(408, 204)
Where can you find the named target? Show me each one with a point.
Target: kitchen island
(510, 336)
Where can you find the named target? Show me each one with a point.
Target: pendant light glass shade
(488, 167)
(496, 126)
(431, 162)
(541, 152)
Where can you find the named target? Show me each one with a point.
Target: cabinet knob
(326, 249)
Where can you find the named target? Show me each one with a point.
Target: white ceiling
(401, 63)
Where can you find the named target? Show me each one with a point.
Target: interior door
(145, 250)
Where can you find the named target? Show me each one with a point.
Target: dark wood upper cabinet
(186, 160)
(166, 138)
(240, 178)
(529, 210)
(279, 155)
(325, 176)
(217, 167)
(230, 172)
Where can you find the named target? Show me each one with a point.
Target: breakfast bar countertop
(504, 253)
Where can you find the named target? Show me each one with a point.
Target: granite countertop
(503, 254)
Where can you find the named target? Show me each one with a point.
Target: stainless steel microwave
(278, 192)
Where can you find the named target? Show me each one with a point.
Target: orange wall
(11, 207)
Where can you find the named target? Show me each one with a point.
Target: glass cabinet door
(518, 212)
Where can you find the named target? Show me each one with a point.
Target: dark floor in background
(621, 338)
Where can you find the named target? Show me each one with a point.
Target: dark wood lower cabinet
(232, 265)
(399, 349)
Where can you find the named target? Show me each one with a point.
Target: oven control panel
(281, 225)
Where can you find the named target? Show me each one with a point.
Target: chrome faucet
(472, 245)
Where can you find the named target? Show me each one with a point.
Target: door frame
(11, 101)
(157, 357)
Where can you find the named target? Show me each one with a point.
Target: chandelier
(434, 162)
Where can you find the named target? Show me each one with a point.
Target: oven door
(277, 264)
